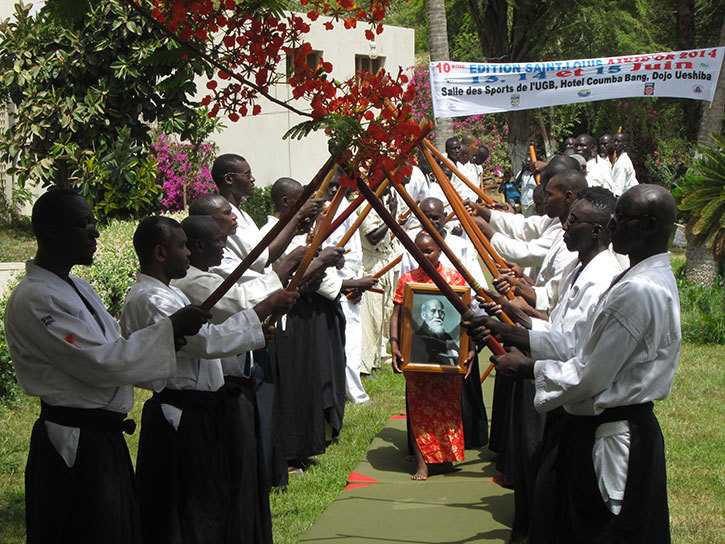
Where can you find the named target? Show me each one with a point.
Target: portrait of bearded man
(430, 342)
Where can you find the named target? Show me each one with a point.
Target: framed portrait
(431, 339)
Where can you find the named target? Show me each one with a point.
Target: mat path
(382, 504)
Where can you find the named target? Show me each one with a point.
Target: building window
(371, 65)
(313, 61)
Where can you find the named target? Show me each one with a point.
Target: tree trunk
(518, 122)
(686, 40)
(435, 10)
(701, 265)
(712, 113)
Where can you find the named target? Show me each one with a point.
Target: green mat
(382, 504)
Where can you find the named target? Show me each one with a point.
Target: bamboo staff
(254, 254)
(320, 193)
(487, 199)
(422, 260)
(480, 242)
(445, 248)
(532, 154)
(363, 214)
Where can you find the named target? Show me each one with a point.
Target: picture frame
(430, 331)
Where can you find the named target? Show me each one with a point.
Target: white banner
(468, 88)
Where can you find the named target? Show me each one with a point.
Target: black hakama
(183, 475)
(501, 440)
(251, 520)
(94, 501)
(584, 517)
(475, 422)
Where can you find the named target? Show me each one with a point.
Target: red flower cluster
(250, 48)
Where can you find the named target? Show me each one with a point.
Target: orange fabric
(451, 276)
(434, 402)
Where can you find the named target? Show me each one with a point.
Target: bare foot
(421, 474)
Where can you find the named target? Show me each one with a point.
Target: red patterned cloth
(434, 405)
(434, 400)
(418, 275)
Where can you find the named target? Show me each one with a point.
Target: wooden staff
(318, 239)
(532, 154)
(423, 262)
(363, 214)
(380, 273)
(480, 242)
(254, 254)
(425, 127)
(487, 199)
(445, 248)
(320, 193)
(403, 217)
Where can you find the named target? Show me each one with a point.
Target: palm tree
(701, 195)
(435, 10)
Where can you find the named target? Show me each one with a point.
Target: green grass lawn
(691, 419)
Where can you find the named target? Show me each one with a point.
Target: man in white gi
(599, 171)
(612, 481)
(183, 461)
(379, 247)
(353, 284)
(233, 177)
(623, 174)
(459, 155)
(523, 240)
(560, 194)
(535, 436)
(67, 350)
(606, 148)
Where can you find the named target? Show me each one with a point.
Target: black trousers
(92, 501)
(583, 516)
(183, 474)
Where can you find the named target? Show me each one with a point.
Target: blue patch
(584, 93)
(47, 320)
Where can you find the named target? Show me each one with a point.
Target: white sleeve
(580, 378)
(518, 227)
(70, 344)
(522, 253)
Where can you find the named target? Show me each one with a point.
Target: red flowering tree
(245, 44)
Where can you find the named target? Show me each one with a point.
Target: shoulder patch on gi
(71, 340)
(47, 320)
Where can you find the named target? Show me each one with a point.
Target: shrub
(259, 205)
(182, 173)
(702, 311)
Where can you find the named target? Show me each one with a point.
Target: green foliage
(119, 177)
(703, 316)
(81, 83)
(259, 205)
(701, 195)
(342, 128)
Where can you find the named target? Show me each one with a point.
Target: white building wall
(259, 138)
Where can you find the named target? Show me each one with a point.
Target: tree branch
(211, 60)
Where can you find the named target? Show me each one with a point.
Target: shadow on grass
(12, 517)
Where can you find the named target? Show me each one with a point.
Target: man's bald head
(433, 209)
(204, 240)
(207, 204)
(199, 227)
(643, 222)
(283, 191)
(570, 180)
(586, 146)
(557, 164)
